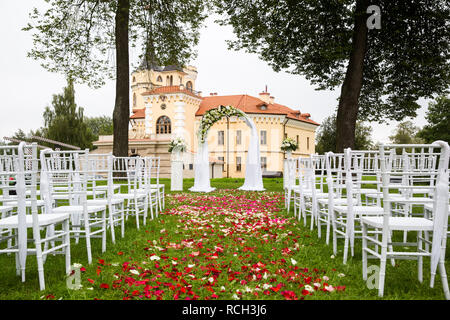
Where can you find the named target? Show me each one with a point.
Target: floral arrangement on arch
(212, 116)
(289, 144)
(177, 144)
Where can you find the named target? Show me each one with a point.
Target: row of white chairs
(71, 194)
(374, 196)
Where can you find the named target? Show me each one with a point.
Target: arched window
(171, 80)
(189, 85)
(163, 125)
(159, 79)
(134, 79)
(134, 99)
(167, 81)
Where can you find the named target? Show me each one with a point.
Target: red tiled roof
(170, 89)
(244, 102)
(250, 104)
(138, 114)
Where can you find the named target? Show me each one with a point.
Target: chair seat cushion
(400, 223)
(319, 195)
(128, 196)
(368, 191)
(429, 206)
(6, 208)
(104, 202)
(360, 209)
(78, 209)
(152, 190)
(337, 201)
(67, 196)
(156, 185)
(13, 203)
(105, 188)
(402, 199)
(43, 220)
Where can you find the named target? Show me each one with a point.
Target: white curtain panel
(253, 173)
(201, 169)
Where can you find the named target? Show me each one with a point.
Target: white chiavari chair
(411, 201)
(127, 173)
(315, 171)
(334, 163)
(150, 181)
(387, 224)
(304, 185)
(25, 168)
(155, 184)
(290, 181)
(99, 170)
(65, 176)
(344, 216)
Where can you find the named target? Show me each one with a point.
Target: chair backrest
(419, 168)
(63, 174)
(21, 161)
(421, 164)
(319, 171)
(334, 172)
(150, 171)
(418, 160)
(306, 172)
(127, 172)
(99, 172)
(362, 168)
(290, 173)
(8, 169)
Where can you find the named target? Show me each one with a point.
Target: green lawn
(192, 249)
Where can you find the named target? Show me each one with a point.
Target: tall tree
(64, 121)
(326, 136)
(405, 133)
(438, 117)
(382, 72)
(100, 125)
(79, 37)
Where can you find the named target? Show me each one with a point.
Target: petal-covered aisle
(231, 245)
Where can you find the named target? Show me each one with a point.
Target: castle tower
(164, 102)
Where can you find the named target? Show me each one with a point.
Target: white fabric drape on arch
(253, 172)
(201, 169)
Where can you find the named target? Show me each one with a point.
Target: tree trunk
(348, 101)
(121, 113)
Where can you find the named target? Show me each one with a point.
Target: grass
(138, 246)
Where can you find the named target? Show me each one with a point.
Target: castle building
(166, 105)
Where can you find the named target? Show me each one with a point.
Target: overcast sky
(26, 88)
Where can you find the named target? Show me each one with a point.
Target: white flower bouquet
(289, 144)
(177, 144)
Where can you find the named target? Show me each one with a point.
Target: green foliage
(406, 133)
(438, 117)
(64, 121)
(27, 137)
(77, 38)
(102, 125)
(326, 136)
(406, 59)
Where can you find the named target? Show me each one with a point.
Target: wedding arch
(253, 172)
